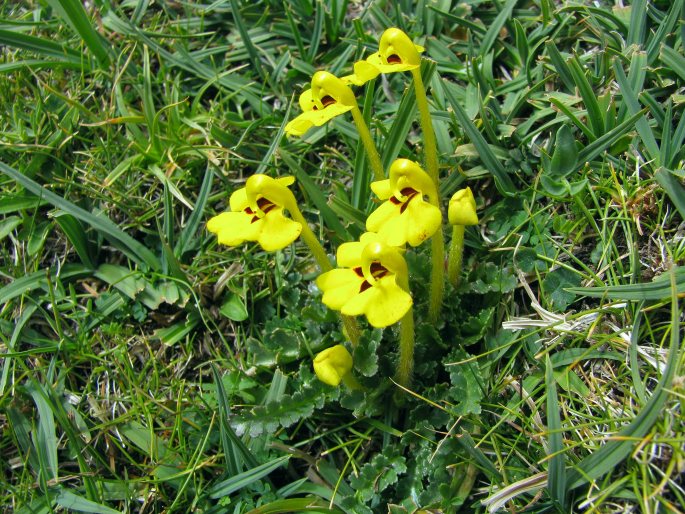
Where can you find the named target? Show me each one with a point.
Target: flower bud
(462, 208)
(332, 364)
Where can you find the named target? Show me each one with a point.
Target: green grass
(147, 369)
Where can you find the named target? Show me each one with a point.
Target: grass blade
(502, 180)
(195, 219)
(72, 501)
(45, 440)
(276, 141)
(76, 234)
(247, 40)
(557, 465)
(38, 279)
(673, 187)
(658, 289)
(606, 140)
(317, 198)
(560, 65)
(237, 482)
(234, 449)
(594, 113)
(493, 32)
(132, 248)
(673, 60)
(316, 31)
(665, 28)
(468, 444)
(42, 47)
(638, 23)
(642, 126)
(618, 448)
(295, 505)
(75, 15)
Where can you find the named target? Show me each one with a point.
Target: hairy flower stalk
(257, 214)
(329, 97)
(431, 156)
(461, 212)
(396, 53)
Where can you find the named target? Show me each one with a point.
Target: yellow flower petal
(382, 189)
(423, 220)
(299, 125)
(363, 72)
(238, 200)
(385, 303)
(234, 228)
(277, 232)
(396, 48)
(332, 364)
(385, 213)
(286, 181)
(326, 84)
(315, 118)
(412, 222)
(339, 286)
(377, 61)
(306, 100)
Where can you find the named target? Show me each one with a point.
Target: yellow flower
(328, 97)
(406, 217)
(462, 208)
(332, 364)
(396, 52)
(257, 215)
(372, 280)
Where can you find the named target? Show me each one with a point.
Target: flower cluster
(371, 277)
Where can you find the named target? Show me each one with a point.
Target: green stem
(437, 275)
(352, 383)
(405, 364)
(431, 147)
(312, 242)
(456, 255)
(369, 146)
(431, 158)
(350, 324)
